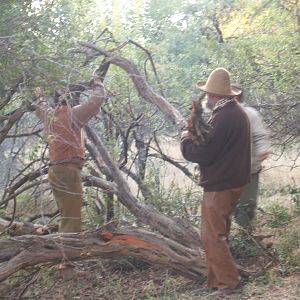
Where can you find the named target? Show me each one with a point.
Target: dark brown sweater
(225, 161)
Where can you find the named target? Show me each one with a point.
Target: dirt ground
(125, 279)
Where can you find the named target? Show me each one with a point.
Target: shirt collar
(223, 102)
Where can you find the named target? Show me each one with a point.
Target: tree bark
(176, 229)
(29, 250)
(143, 88)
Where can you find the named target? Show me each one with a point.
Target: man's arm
(205, 154)
(42, 107)
(84, 112)
(260, 136)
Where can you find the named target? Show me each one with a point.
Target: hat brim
(235, 91)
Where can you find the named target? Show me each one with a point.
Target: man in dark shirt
(225, 169)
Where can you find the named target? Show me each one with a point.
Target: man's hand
(96, 80)
(38, 93)
(98, 86)
(264, 155)
(198, 128)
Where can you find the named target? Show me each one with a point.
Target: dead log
(29, 250)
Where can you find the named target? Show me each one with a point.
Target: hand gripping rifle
(199, 129)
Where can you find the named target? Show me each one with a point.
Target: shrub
(288, 249)
(278, 216)
(242, 246)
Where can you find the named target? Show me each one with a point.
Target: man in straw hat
(225, 169)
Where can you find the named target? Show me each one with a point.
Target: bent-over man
(64, 127)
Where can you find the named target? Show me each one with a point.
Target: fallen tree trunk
(29, 250)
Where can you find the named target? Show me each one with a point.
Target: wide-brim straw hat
(218, 83)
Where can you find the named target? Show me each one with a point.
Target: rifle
(199, 129)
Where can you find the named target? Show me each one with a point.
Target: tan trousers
(67, 189)
(217, 208)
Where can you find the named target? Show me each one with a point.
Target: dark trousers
(67, 189)
(245, 210)
(217, 208)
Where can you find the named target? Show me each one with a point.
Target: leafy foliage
(288, 249)
(278, 216)
(39, 46)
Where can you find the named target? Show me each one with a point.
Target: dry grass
(114, 281)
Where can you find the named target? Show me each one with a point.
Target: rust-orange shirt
(65, 136)
(64, 126)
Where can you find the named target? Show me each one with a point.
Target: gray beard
(209, 105)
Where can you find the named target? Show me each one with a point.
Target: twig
(31, 281)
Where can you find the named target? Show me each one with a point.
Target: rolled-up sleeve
(84, 112)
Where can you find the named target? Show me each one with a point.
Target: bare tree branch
(143, 88)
